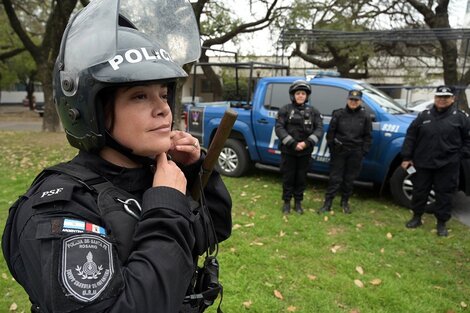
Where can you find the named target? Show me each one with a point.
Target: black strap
(88, 178)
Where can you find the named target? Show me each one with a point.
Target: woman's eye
(165, 96)
(140, 96)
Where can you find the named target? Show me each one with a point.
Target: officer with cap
(113, 230)
(298, 127)
(349, 138)
(434, 144)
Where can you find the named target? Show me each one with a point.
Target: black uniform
(296, 124)
(349, 138)
(69, 250)
(435, 142)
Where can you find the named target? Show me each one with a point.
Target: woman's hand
(300, 146)
(184, 148)
(168, 174)
(406, 164)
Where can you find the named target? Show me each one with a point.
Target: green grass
(311, 261)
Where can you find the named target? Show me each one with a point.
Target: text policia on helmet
(135, 56)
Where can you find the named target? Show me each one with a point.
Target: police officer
(113, 230)
(349, 138)
(298, 127)
(434, 144)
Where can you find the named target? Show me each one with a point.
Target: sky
(263, 42)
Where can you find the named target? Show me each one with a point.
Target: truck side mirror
(373, 118)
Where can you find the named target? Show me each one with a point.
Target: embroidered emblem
(89, 270)
(87, 266)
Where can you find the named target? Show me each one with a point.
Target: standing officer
(434, 144)
(298, 127)
(349, 138)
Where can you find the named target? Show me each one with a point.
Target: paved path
(18, 125)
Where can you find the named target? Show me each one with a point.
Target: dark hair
(107, 97)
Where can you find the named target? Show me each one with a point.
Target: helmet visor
(92, 37)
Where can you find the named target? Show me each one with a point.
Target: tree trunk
(30, 94)
(50, 121)
(212, 77)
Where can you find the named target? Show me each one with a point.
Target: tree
(218, 27)
(50, 19)
(350, 58)
(436, 16)
(11, 50)
(40, 25)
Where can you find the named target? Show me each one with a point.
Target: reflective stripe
(287, 139)
(314, 138)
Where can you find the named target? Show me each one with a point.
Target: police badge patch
(87, 266)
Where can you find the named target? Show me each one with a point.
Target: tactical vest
(120, 212)
(299, 121)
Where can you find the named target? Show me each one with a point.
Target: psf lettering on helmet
(136, 56)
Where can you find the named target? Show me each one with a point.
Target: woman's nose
(159, 107)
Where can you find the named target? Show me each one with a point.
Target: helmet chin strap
(112, 143)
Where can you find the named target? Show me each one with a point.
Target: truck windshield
(385, 102)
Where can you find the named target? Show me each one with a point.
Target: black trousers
(345, 166)
(444, 180)
(294, 176)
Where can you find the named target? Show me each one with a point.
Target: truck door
(264, 120)
(326, 99)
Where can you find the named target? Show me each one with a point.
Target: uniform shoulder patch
(87, 266)
(54, 189)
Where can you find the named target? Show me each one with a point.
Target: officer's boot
(345, 205)
(441, 229)
(286, 207)
(326, 206)
(415, 221)
(298, 207)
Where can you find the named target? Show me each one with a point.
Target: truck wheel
(401, 188)
(233, 159)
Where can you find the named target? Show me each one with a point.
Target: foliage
(218, 18)
(40, 25)
(14, 65)
(230, 86)
(366, 262)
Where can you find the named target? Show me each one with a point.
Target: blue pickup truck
(253, 139)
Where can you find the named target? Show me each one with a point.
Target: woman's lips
(162, 128)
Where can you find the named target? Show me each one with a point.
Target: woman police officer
(112, 230)
(298, 127)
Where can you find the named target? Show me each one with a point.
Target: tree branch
(17, 27)
(245, 28)
(12, 53)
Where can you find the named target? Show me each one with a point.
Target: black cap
(355, 94)
(445, 91)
